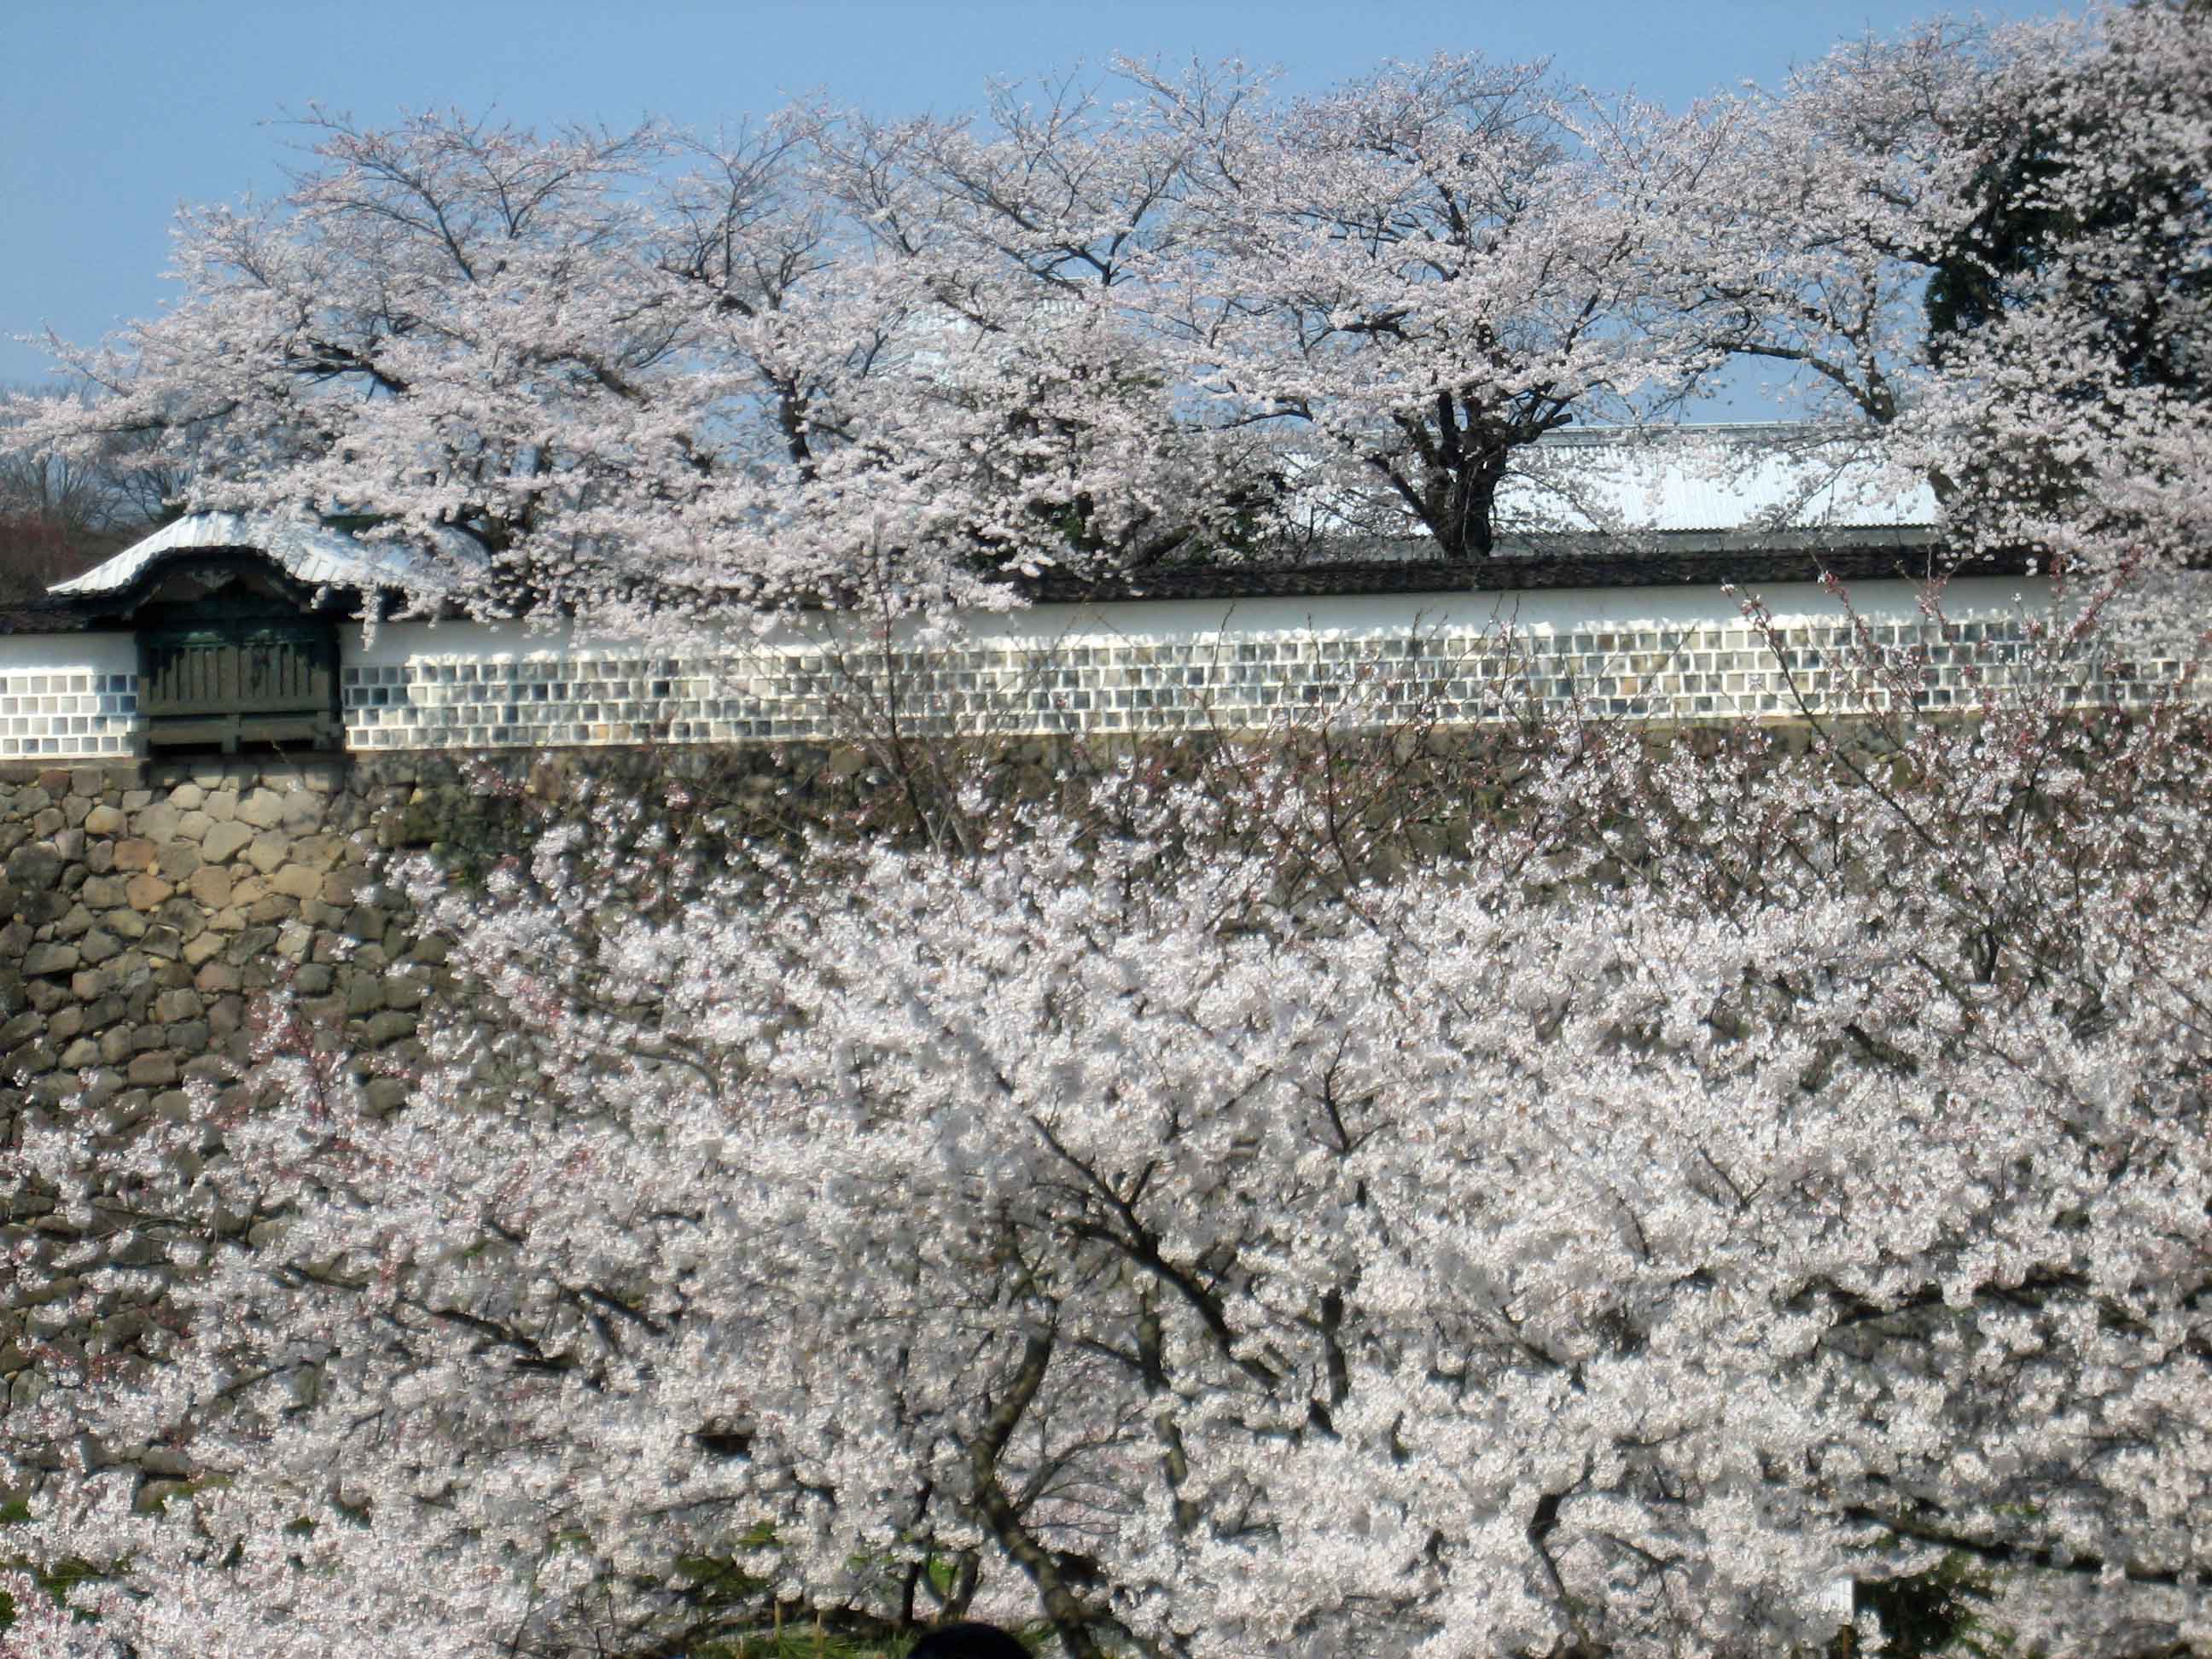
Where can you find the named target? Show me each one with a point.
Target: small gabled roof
(312, 554)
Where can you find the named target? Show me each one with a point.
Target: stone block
(124, 924)
(297, 881)
(189, 1036)
(157, 823)
(115, 1045)
(203, 947)
(80, 1055)
(178, 861)
(214, 977)
(146, 890)
(50, 959)
(98, 945)
(304, 810)
(32, 1060)
(222, 805)
(390, 1026)
(104, 892)
(135, 852)
(225, 842)
(364, 994)
(39, 909)
(268, 852)
(318, 852)
(152, 1070)
(103, 820)
(192, 827)
(186, 917)
(263, 809)
(187, 797)
(313, 978)
(75, 921)
(65, 1022)
(33, 868)
(211, 885)
(171, 1006)
(51, 822)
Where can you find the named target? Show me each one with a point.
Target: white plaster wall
(1178, 622)
(51, 653)
(1130, 666)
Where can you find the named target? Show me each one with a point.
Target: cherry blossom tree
(827, 353)
(1191, 1219)
(1422, 272)
(1986, 251)
(1726, 1177)
(631, 369)
(2069, 406)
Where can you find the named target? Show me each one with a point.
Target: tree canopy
(1172, 316)
(1214, 1213)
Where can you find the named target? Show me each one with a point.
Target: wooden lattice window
(217, 675)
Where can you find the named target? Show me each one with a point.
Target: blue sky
(113, 113)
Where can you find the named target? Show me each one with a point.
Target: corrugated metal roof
(313, 553)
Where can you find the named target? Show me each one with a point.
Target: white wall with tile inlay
(1662, 654)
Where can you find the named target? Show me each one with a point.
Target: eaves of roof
(1637, 569)
(46, 617)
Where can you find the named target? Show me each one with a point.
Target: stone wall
(142, 907)
(147, 908)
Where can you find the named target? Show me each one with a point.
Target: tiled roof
(43, 616)
(317, 554)
(1658, 569)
